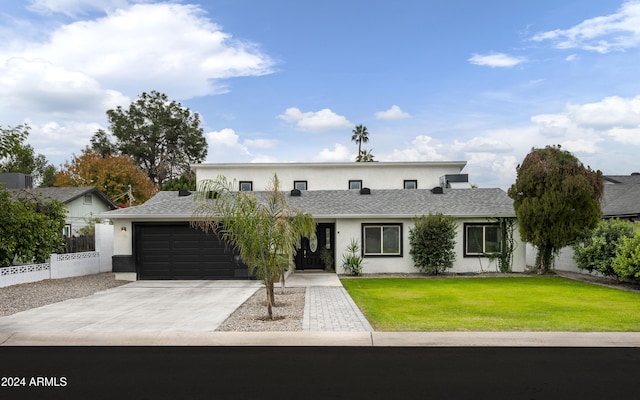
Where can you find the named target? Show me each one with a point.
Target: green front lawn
(493, 304)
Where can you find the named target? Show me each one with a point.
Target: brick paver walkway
(330, 308)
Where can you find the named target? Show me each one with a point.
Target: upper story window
(481, 239)
(246, 186)
(355, 184)
(410, 184)
(382, 239)
(300, 185)
(88, 199)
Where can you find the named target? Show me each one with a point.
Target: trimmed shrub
(627, 261)
(432, 240)
(595, 249)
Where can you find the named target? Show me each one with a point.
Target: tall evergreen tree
(555, 197)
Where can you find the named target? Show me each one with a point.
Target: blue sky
(287, 80)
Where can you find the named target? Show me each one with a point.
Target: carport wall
(348, 228)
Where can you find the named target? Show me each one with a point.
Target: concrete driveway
(142, 306)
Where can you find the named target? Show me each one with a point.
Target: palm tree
(360, 135)
(365, 156)
(265, 230)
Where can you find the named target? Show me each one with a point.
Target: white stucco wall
(351, 228)
(122, 240)
(333, 176)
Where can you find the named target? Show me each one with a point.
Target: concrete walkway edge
(379, 339)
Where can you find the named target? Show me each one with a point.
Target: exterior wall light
(123, 229)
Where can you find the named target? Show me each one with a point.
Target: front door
(318, 252)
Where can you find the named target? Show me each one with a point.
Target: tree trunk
(544, 259)
(269, 288)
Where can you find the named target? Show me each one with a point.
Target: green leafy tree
(595, 249)
(21, 157)
(184, 182)
(10, 138)
(263, 228)
(162, 136)
(360, 135)
(30, 227)
(432, 240)
(627, 261)
(555, 197)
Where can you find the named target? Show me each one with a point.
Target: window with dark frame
(355, 184)
(246, 186)
(300, 185)
(382, 240)
(410, 184)
(481, 239)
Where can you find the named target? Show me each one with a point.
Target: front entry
(316, 253)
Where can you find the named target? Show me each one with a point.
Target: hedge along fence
(65, 265)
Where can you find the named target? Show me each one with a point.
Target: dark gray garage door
(177, 251)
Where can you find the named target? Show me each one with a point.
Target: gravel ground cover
(16, 298)
(251, 315)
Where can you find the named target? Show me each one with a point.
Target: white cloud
(608, 113)
(339, 153)
(322, 120)
(58, 142)
(422, 148)
(483, 145)
(261, 143)
(43, 88)
(571, 57)
(551, 125)
(495, 60)
(603, 34)
(627, 136)
(172, 48)
(225, 143)
(393, 113)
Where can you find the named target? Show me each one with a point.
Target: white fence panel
(104, 245)
(74, 264)
(24, 274)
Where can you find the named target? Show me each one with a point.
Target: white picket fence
(65, 265)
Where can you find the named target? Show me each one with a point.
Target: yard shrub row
(612, 248)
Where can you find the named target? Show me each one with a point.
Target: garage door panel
(177, 251)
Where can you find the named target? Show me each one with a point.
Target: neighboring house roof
(67, 194)
(349, 204)
(621, 200)
(625, 179)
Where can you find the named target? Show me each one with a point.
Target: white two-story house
(374, 203)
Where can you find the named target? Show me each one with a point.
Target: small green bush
(627, 261)
(595, 249)
(432, 240)
(352, 260)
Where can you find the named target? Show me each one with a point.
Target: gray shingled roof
(66, 194)
(625, 179)
(350, 203)
(621, 200)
